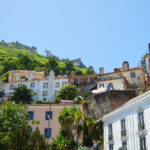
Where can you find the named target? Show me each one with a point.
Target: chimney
(149, 47)
(101, 69)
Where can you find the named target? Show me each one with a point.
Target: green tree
(71, 121)
(69, 67)
(9, 64)
(68, 92)
(20, 139)
(89, 71)
(78, 72)
(12, 118)
(53, 65)
(24, 140)
(25, 63)
(37, 141)
(22, 94)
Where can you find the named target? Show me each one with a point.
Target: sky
(103, 33)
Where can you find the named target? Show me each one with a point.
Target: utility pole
(49, 120)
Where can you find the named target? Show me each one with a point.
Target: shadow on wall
(103, 103)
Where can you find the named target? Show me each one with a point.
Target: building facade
(135, 76)
(128, 126)
(85, 83)
(114, 84)
(24, 75)
(46, 88)
(47, 116)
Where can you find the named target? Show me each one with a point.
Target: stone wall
(103, 103)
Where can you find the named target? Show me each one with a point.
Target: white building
(128, 126)
(46, 89)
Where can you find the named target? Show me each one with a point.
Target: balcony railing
(110, 137)
(141, 126)
(123, 133)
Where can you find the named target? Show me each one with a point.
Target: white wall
(132, 137)
(38, 88)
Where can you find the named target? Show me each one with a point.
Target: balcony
(110, 137)
(123, 133)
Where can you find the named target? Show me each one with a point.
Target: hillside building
(128, 126)
(134, 76)
(114, 84)
(46, 88)
(24, 75)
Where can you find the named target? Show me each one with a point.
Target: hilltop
(15, 55)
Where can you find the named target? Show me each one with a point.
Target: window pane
(57, 85)
(48, 115)
(31, 115)
(47, 133)
(45, 85)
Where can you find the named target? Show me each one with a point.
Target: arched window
(132, 74)
(110, 87)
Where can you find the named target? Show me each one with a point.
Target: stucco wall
(118, 84)
(39, 114)
(131, 123)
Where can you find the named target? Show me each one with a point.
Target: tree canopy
(68, 92)
(12, 117)
(71, 121)
(22, 94)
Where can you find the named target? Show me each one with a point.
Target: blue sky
(103, 33)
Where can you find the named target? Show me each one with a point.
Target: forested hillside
(18, 56)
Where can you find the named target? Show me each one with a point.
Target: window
(141, 120)
(11, 87)
(45, 93)
(45, 85)
(110, 146)
(134, 85)
(142, 143)
(32, 85)
(10, 94)
(17, 78)
(101, 85)
(19, 85)
(132, 74)
(31, 115)
(47, 133)
(64, 83)
(56, 92)
(48, 115)
(124, 145)
(110, 136)
(110, 87)
(123, 128)
(13, 72)
(57, 85)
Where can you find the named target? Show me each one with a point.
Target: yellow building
(24, 75)
(114, 84)
(135, 76)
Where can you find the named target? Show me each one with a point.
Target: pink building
(43, 112)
